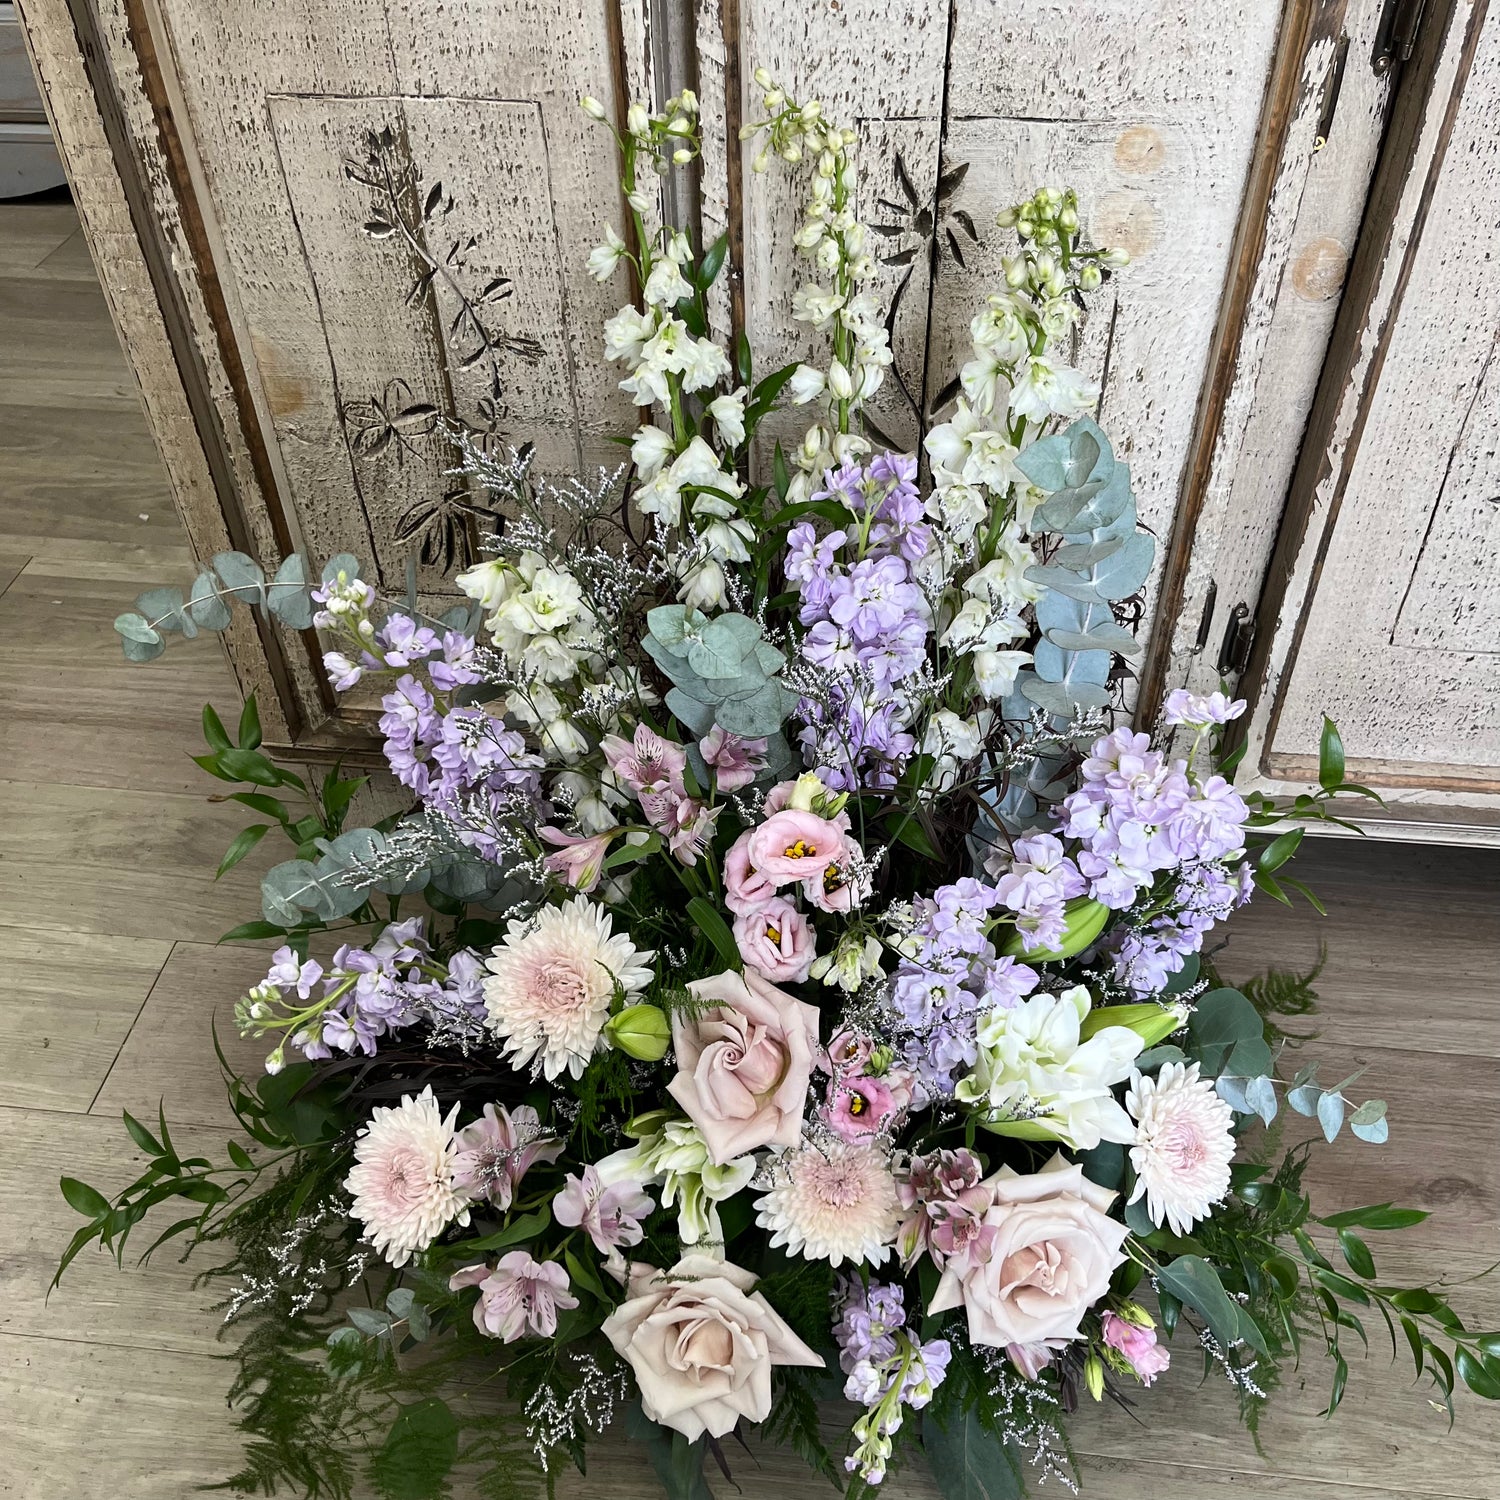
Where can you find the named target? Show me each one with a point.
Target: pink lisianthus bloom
(847, 1053)
(520, 1296)
(1138, 1345)
(745, 887)
(497, 1151)
(792, 845)
(651, 767)
(834, 888)
(611, 1216)
(777, 940)
(579, 860)
(689, 826)
(736, 762)
(859, 1108)
(946, 1202)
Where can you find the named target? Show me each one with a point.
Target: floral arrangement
(788, 981)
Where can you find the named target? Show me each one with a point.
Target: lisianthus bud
(639, 1031)
(637, 121)
(1093, 1376)
(591, 107)
(762, 78)
(1089, 278)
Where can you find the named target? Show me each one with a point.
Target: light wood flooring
(108, 916)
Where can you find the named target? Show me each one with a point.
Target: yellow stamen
(858, 1105)
(800, 850)
(773, 933)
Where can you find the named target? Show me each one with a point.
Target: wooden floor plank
(84, 1420)
(174, 1037)
(30, 233)
(66, 1009)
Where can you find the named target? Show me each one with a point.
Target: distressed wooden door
(326, 229)
(1384, 610)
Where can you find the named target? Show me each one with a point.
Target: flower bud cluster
(838, 245)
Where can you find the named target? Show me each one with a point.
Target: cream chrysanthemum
(551, 982)
(1183, 1145)
(832, 1201)
(402, 1179)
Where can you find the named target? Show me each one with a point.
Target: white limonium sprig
(836, 242)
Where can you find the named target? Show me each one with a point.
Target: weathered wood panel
(1416, 700)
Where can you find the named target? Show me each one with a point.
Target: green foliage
(231, 576)
(723, 671)
(794, 1421)
(968, 1461)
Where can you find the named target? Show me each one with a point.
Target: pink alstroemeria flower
(496, 1152)
(736, 762)
(520, 1296)
(651, 767)
(579, 860)
(610, 1216)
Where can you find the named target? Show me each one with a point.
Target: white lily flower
(649, 450)
(1044, 390)
(728, 413)
(604, 259)
(805, 385)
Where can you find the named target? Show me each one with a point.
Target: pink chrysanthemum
(1183, 1145)
(551, 982)
(403, 1177)
(832, 1200)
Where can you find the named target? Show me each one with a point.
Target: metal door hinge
(1234, 654)
(1400, 22)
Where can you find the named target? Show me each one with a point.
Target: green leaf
(83, 1199)
(1279, 850)
(678, 1463)
(527, 1227)
(968, 1461)
(240, 1157)
(1376, 1216)
(1222, 1021)
(1357, 1253)
(1477, 1376)
(712, 262)
(253, 932)
(1330, 1114)
(418, 1453)
(141, 1136)
(914, 836)
(1330, 756)
(214, 731)
(241, 576)
(1195, 1283)
(715, 929)
(267, 807)
(244, 841)
(249, 765)
(249, 730)
(204, 604)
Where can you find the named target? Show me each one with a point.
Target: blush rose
(743, 1063)
(701, 1344)
(1050, 1259)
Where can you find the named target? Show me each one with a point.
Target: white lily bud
(839, 381)
(762, 78)
(637, 121)
(592, 107)
(1089, 278)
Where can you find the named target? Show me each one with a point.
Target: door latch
(1239, 637)
(1396, 39)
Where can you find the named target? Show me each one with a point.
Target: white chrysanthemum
(1183, 1145)
(402, 1179)
(832, 1201)
(551, 982)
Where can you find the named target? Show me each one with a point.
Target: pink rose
(776, 940)
(860, 1108)
(743, 1064)
(793, 845)
(1050, 1260)
(744, 886)
(1142, 1353)
(702, 1344)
